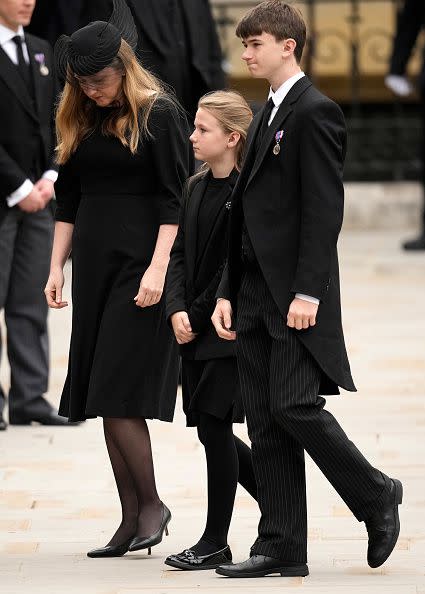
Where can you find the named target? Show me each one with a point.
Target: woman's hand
(182, 328)
(53, 290)
(151, 286)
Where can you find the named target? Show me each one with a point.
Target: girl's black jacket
(196, 266)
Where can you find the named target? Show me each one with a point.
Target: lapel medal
(41, 61)
(278, 138)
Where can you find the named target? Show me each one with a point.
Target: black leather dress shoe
(384, 527)
(110, 551)
(51, 418)
(3, 424)
(188, 560)
(260, 566)
(415, 244)
(138, 543)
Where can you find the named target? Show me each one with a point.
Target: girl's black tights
(228, 462)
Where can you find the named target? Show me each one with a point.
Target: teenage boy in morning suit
(27, 174)
(282, 281)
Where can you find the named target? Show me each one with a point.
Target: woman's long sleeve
(172, 157)
(68, 194)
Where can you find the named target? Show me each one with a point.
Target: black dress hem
(113, 415)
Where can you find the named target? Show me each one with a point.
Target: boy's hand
(182, 328)
(302, 314)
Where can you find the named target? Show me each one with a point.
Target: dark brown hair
(277, 18)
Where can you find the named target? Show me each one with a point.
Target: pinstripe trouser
(285, 416)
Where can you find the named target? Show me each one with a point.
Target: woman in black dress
(124, 156)
(210, 380)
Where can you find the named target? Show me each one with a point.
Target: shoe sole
(105, 556)
(185, 567)
(297, 571)
(397, 501)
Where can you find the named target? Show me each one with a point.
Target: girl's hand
(182, 328)
(222, 319)
(151, 286)
(53, 290)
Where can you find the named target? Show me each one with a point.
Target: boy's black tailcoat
(293, 207)
(192, 277)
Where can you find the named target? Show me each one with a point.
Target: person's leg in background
(25, 311)
(418, 243)
(8, 233)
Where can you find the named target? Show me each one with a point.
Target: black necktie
(248, 255)
(23, 67)
(265, 121)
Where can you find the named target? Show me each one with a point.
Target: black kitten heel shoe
(110, 550)
(138, 543)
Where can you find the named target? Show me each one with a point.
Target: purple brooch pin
(41, 61)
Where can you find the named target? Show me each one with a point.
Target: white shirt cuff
(307, 298)
(50, 174)
(19, 194)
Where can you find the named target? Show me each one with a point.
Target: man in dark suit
(177, 41)
(410, 22)
(282, 278)
(27, 175)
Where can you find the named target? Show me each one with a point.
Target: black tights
(228, 462)
(129, 449)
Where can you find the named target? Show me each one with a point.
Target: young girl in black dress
(210, 382)
(124, 156)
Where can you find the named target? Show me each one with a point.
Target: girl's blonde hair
(233, 114)
(76, 113)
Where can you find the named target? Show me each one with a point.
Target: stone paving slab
(57, 495)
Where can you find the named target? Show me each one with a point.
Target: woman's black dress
(123, 361)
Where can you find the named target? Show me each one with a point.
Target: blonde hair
(76, 113)
(233, 114)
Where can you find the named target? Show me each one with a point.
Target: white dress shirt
(278, 96)
(9, 46)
